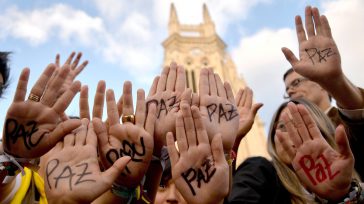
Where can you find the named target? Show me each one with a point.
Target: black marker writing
(321, 54)
(13, 131)
(203, 174)
(227, 111)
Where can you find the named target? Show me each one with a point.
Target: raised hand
(319, 55)
(72, 173)
(75, 69)
(217, 108)
(199, 170)
(98, 107)
(32, 127)
(166, 93)
(322, 169)
(127, 139)
(247, 112)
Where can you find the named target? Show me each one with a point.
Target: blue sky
(122, 39)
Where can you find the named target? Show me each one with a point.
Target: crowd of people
(176, 146)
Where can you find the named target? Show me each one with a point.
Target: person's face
(282, 154)
(299, 87)
(169, 194)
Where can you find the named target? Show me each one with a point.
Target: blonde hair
(285, 173)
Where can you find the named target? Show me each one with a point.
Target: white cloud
(110, 9)
(259, 59)
(345, 18)
(59, 21)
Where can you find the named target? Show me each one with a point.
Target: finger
(189, 125)
(172, 76)
(308, 22)
(342, 142)
(153, 88)
(238, 97)
(186, 96)
(128, 108)
(172, 151)
(61, 130)
(181, 79)
(151, 118)
(112, 173)
(91, 137)
(100, 131)
(286, 144)
(256, 107)
(292, 131)
(64, 101)
(204, 82)
(163, 80)
(42, 81)
(112, 114)
(298, 121)
(81, 133)
(325, 26)
(291, 58)
(70, 58)
(64, 117)
(195, 100)
(212, 83)
(220, 86)
(76, 61)
(119, 105)
(80, 68)
(181, 135)
(21, 89)
(202, 136)
(316, 18)
(98, 108)
(249, 98)
(69, 140)
(309, 122)
(140, 109)
(52, 92)
(218, 150)
(84, 107)
(58, 59)
(229, 92)
(300, 31)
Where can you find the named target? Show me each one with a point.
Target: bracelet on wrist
(133, 195)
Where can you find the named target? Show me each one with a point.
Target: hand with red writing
(322, 169)
(131, 139)
(199, 170)
(319, 56)
(247, 112)
(75, 69)
(217, 108)
(72, 172)
(33, 126)
(166, 93)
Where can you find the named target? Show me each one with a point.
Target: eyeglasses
(294, 84)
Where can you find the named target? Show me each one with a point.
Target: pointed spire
(173, 15)
(206, 15)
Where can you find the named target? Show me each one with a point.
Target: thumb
(217, 149)
(342, 142)
(112, 173)
(62, 129)
(256, 107)
(291, 58)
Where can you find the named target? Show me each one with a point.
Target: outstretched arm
(320, 61)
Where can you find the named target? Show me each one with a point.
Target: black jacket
(256, 181)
